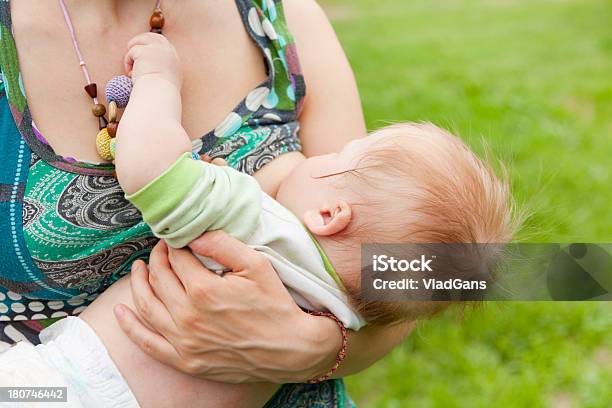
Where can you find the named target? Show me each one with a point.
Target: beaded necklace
(117, 90)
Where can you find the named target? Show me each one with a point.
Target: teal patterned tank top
(67, 232)
(78, 234)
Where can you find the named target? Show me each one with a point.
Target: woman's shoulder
(305, 16)
(332, 106)
(307, 9)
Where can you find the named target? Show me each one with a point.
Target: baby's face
(315, 182)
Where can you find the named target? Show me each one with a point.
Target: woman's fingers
(148, 341)
(228, 251)
(192, 274)
(165, 284)
(151, 310)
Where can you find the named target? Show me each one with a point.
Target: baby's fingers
(132, 55)
(146, 39)
(219, 162)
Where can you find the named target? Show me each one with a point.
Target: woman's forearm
(365, 347)
(369, 345)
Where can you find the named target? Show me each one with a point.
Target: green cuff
(160, 196)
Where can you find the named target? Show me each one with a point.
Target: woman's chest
(220, 65)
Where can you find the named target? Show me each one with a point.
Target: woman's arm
(332, 114)
(260, 335)
(369, 345)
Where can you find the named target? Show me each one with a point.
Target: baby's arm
(179, 197)
(150, 137)
(191, 197)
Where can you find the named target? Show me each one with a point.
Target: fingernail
(119, 312)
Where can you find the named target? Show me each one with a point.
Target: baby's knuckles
(158, 57)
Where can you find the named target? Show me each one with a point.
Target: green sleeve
(192, 197)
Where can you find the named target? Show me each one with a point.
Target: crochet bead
(92, 90)
(103, 145)
(98, 109)
(112, 128)
(118, 89)
(112, 111)
(112, 145)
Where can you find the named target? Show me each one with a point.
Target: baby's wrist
(156, 79)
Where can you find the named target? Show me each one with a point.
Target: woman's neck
(110, 12)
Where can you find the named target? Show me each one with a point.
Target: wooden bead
(98, 109)
(112, 128)
(157, 21)
(112, 111)
(92, 90)
(102, 122)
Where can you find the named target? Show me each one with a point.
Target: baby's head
(405, 183)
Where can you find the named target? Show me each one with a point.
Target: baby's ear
(328, 220)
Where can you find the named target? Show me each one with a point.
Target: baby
(404, 183)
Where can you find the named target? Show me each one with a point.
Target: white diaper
(71, 355)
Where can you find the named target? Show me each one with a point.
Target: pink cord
(75, 43)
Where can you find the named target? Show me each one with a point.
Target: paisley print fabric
(323, 395)
(66, 230)
(97, 271)
(97, 202)
(249, 152)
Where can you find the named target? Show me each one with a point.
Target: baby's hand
(151, 54)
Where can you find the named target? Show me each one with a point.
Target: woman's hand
(242, 327)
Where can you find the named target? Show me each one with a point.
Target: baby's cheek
(348, 269)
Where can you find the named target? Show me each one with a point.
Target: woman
(77, 235)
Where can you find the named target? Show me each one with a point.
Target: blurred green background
(534, 79)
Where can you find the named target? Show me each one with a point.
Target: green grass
(534, 79)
